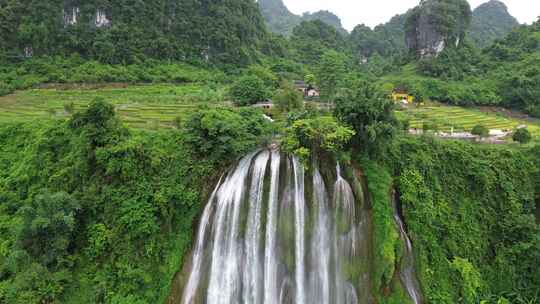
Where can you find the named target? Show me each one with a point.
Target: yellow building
(401, 95)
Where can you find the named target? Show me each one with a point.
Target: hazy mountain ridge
(491, 21)
(281, 21)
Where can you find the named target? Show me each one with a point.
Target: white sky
(374, 12)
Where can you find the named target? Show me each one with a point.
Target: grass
(463, 119)
(139, 106)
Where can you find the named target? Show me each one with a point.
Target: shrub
(430, 126)
(69, 107)
(481, 131)
(248, 90)
(371, 114)
(522, 136)
(224, 134)
(315, 134)
(5, 88)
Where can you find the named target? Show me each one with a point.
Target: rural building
(402, 95)
(307, 90)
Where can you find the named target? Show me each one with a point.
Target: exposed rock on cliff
(436, 24)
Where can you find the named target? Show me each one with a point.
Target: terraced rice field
(140, 106)
(463, 119)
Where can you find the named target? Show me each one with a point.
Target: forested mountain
(326, 17)
(385, 39)
(278, 17)
(123, 31)
(281, 21)
(311, 39)
(515, 65)
(491, 21)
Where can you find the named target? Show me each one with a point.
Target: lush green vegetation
(148, 106)
(249, 90)
(75, 70)
(92, 212)
(371, 114)
(470, 214)
(448, 118)
(230, 31)
(98, 199)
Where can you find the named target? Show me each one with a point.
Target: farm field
(139, 106)
(462, 119)
(158, 105)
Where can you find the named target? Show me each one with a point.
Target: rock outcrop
(436, 24)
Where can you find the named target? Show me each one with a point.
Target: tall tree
(330, 72)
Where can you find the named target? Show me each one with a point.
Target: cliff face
(491, 21)
(436, 24)
(425, 40)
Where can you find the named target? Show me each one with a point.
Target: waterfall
(299, 218)
(270, 261)
(224, 269)
(252, 287)
(320, 244)
(194, 278)
(345, 240)
(272, 233)
(407, 270)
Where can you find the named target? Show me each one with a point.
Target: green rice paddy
(139, 106)
(159, 105)
(460, 119)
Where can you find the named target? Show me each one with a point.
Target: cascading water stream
(345, 240)
(407, 272)
(252, 286)
(224, 270)
(194, 278)
(320, 244)
(299, 218)
(266, 238)
(270, 260)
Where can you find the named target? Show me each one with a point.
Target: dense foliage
(309, 136)
(224, 134)
(385, 39)
(311, 39)
(249, 90)
(93, 213)
(470, 214)
(76, 70)
(370, 112)
(230, 31)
